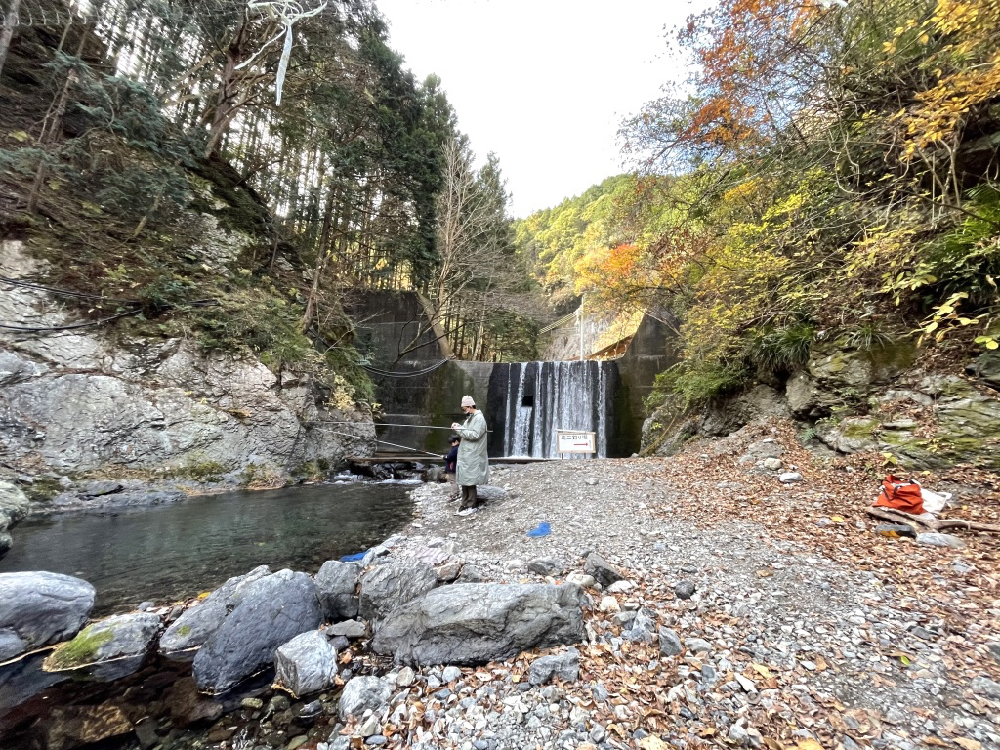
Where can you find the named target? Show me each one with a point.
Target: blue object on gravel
(542, 529)
(354, 558)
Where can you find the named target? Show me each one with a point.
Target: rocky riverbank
(734, 595)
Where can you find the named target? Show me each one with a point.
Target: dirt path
(804, 626)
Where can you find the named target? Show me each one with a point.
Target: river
(171, 552)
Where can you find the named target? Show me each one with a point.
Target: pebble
(684, 590)
(405, 677)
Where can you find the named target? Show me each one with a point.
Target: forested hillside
(168, 161)
(830, 173)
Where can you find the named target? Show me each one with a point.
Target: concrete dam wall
(524, 402)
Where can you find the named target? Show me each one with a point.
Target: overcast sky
(543, 83)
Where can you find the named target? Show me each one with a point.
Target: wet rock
(188, 706)
(268, 613)
(940, 540)
(40, 608)
(684, 590)
(564, 666)
(387, 586)
(306, 664)
(363, 693)
(670, 642)
(336, 584)
(202, 619)
(545, 566)
(73, 726)
(476, 623)
(602, 572)
(145, 732)
(110, 648)
(97, 489)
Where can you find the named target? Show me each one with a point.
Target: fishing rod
(390, 424)
(396, 445)
(385, 442)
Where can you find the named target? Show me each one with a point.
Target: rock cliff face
(856, 400)
(73, 402)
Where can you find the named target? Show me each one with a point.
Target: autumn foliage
(830, 170)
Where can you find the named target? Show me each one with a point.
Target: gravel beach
(757, 607)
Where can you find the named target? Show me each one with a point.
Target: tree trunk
(11, 19)
(322, 253)
(51, 125)
(226, 101)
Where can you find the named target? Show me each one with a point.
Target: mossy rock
(966, 430)
(113, 639)
(837, 363)
(849, 434)
(80, 651)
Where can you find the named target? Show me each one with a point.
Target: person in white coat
(473, 467)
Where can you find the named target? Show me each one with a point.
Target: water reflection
(166, 553)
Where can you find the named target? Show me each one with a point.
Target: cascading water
(529, 401)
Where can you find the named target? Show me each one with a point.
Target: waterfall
(529, 401)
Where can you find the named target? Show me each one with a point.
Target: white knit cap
(468, 401)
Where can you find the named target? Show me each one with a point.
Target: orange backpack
(901, 494)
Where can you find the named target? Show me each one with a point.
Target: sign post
(570, 441)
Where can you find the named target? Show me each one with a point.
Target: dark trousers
(470, 496)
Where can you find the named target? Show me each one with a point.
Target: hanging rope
(286, 13)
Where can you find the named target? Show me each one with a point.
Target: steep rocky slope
(921, 414)
(76, 402)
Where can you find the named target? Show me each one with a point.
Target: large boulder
(110, 648)
(267, 613)
(40, 608)
(306, 664)
(336, 583)
(198, 623)
(476, 623)
(387, 586)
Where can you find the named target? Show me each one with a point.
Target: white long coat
(473, 466)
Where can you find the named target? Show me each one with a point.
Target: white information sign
(568, 441)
